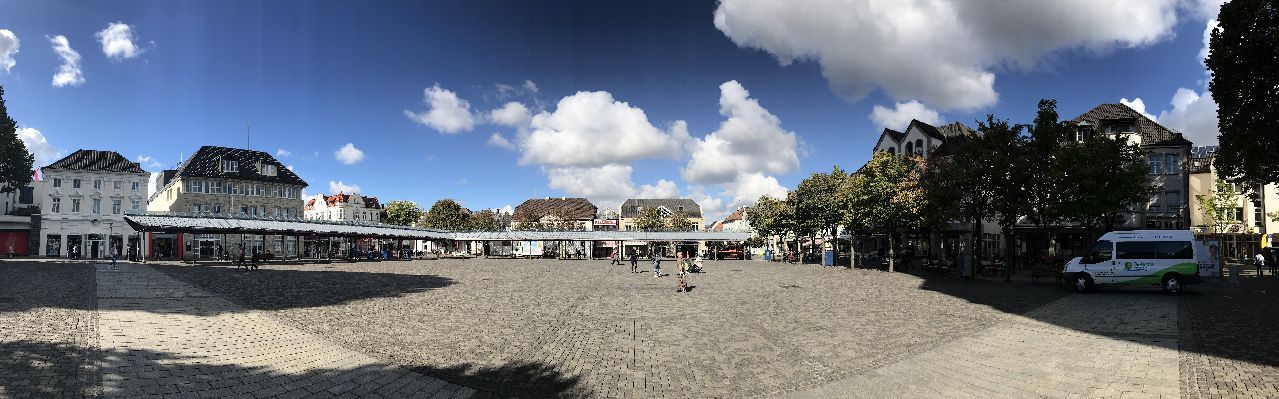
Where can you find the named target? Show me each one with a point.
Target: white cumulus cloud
(117, 41)
(513, 114)
(447, 113)
(662, 189)
(749, 187)
(348, 154)
(38, 146)
(591, 129)
(340, 187)
(943, 53)
(9, 45)
(902, 113)
(1138, 105)
(1194, 115)
(751, 140)
(283, 153)
(497, 140)
(69, 72)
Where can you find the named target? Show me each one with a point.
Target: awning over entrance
(224, 224)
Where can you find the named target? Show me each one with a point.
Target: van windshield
(1100, 252)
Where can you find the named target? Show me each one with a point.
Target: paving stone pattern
(1062, 350)
(584, 328)
(164, 338)
(1231, 340)
(48, 331)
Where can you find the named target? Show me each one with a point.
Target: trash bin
(828, 258)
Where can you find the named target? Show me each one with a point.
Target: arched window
(892, 150)
(910, 149)
(919, 145)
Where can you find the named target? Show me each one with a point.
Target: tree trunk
(1011, 250)
(975, 248)
(891, 255)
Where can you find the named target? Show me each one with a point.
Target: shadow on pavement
(39, 370)
(1218, 320)
(28, 285)
(518, 379)
(274, 289)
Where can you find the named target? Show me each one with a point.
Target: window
(1154, 203)
(1257, 217)
(1156, 164)
(919, 146)
(26, 195)
(274, 191)
(97, 184)
(215, 187)
(230, 166)
(269, 170)
(1172, 200)
(892, 150)
(57, 183)
(115, 185)
(1238, 214)
(195, 207)
(1172, 163)
(75, 183)
(910, 149)
(53, 246)
(259, 190)
(57, 205)
(75, 205)
(1174, 250)
(193, 186)
(135, 186)
(217, 208)
(1100, 252)
(115, 207)
(1135, 250)
(244, 210)
(97, 205)
(232, 188)
(137, 205)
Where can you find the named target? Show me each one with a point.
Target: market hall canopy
(206, 223)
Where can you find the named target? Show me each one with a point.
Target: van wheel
(1083, 282)
(1172, 284)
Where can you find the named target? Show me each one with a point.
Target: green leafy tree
(681, 222)
(1244, 61)
(816, 202)
(931, 189)
(1009, 171)
(650, 219)
(1043, 188)
(485, 220)
(1106, 178)
(16, 166)
(446, 214)
(878, 200)
(402, 213)
(1219, 208)
(767, 217)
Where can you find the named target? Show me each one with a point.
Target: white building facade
(344, 207)
(83, 201)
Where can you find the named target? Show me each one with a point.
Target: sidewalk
(160, 336)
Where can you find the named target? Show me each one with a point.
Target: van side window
(1135, 250)
(1100, 252)
(1175, 250)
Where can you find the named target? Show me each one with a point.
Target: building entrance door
(73, 246)
(97, 246)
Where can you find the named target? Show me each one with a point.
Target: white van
(1170, 258)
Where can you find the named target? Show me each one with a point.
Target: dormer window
(229, 166)
(268, 170)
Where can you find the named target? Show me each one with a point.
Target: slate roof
(105, 161)
(893, 134)
(372, 203)
(1201, 158)
(630, 208)
(929, 130)
(1152, 134)
(576, 208)
(204, 163)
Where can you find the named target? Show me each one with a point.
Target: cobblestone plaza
(541, 328)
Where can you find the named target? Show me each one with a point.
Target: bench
(1046, 271)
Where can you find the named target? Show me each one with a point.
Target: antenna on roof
(246, 136)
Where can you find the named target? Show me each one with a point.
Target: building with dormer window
(344, 207)
(83, 203)
(223, 180)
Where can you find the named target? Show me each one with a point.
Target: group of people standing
(684, 262)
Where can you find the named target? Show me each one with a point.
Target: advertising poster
(1210, 258)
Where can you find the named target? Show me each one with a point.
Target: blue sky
(311, 77)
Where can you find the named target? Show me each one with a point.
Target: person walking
(1259, 261)
(114, 253)
(1274, 264)
(657, 266)
(634, 262)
